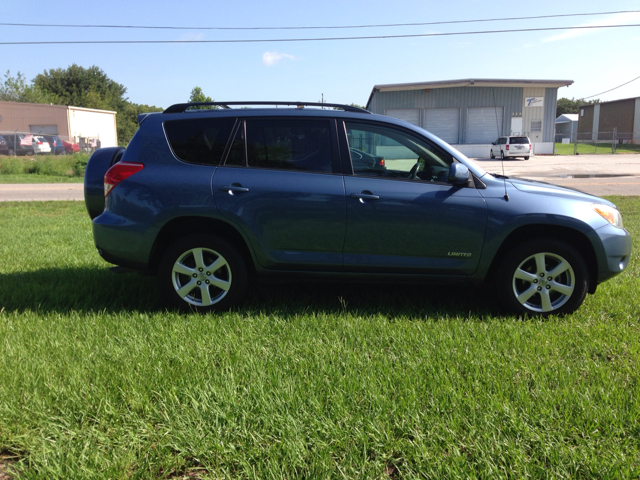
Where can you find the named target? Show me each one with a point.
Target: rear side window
(199, 140)
(286, 144)
(518, 140)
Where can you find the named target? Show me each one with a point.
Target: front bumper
(615, 251)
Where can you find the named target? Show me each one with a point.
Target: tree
(90, 88)
(197, 96)
(564, 105)
(83, 87)
(16, 89)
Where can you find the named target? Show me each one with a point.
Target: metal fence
(606, 142)
(36, 143)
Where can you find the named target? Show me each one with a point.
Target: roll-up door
(484, 124)
(411, 115)
(443, 123)
(43, 129)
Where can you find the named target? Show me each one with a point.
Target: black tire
(523, 284)
(11, 151)
(491, 153)
(526, 158)
(225, 284)
(502, 154)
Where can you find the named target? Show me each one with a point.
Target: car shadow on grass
(86, 290)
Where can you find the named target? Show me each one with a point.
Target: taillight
(507, 147)
(381, 162)
(529, 146)
(118, 173)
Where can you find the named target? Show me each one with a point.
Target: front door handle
(365, 195)
(234, 188)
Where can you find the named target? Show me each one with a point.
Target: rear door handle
(233, 189)
(366, 195)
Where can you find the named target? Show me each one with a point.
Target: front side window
(387, 152)
(199, 140)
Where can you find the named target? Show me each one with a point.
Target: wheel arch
(183, 226)
(574, 238)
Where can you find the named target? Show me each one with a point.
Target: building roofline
(469, 82)
(71, 107)
(68, 107)
(610, 101)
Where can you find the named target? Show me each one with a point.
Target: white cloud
(617, 19)
(271, 58)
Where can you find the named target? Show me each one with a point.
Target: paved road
(596, 174)
(24, 192)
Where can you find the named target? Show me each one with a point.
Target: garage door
(411, 115)
(484, 124)
(44, 129)
(443, 123)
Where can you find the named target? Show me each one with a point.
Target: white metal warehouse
(472, 113)
(73, 124)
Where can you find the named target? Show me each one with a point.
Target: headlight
(610, 214)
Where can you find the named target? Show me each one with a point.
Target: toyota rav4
(208, 198)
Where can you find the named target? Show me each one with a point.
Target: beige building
(74, 124)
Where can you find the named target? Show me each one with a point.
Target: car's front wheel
(542, 277)
(202, 272)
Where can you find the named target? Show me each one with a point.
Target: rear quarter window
(200, 140)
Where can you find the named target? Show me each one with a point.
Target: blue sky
(342, 71)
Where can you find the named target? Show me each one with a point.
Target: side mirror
(458, 174)
(493, 143)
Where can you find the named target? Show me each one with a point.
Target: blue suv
(209, 198)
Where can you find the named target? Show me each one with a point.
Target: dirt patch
(6, 472)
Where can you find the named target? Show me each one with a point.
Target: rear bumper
(517, 153)
(121, 241)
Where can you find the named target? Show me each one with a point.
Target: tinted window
(518, 140)
(201, 140)
(289, 144)
(236, 154)
(386, 152)
(503, 141)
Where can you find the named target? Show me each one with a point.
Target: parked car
(56, 145)
(19, 144)
(40, 145)
(4, 148)
(365, 160)
(71, 147)
(511, 147)
(206, 199)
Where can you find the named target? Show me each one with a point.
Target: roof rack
(181, 107)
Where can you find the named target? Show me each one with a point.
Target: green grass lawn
(97, 380)
(43, 168)
(32, 178)
(591, 148)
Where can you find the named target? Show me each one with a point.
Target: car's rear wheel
(11, 151)
(202, 272)
(526, 158)
(542, 277)
(502, 154)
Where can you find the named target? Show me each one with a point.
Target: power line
(315, 28)
(615, 88)
(319, 39)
